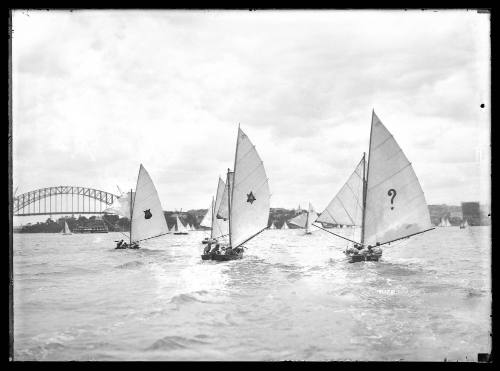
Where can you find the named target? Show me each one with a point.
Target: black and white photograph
(250, 185)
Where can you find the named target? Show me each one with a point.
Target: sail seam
(390, 176)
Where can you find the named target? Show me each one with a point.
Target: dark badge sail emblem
(250, 197)
(147, 214)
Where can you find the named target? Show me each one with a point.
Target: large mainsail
(220, 227)
(346, 208)
(250, 196)
(395, 205)
(148, 219)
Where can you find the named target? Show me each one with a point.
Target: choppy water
(292, 297)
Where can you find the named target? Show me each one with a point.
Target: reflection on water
(292, 296)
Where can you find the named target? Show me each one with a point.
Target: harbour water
(292, 297)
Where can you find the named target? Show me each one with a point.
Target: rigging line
(105, 221)
(354, 194)
(401, 238)
(248, 239)
(335, 234)
(385, 140)
(144, 239)
(390, 176)
(342, 204)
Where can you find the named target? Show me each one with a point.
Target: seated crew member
(216, 249)
(119, 244)
(207, 248)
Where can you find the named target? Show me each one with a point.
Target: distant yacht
(66, 229)
(305, 220)
(272, 226)
(284, 226)
(179, 227)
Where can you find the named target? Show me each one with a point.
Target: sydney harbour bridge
(60, 200)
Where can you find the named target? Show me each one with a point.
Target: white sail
(311, 217)
(299, 220)
(346, 207)
(447, 223)
(148, 219)
(179, 226)
(250, 196)
(223, 209)
(272, 226)
(284, 226)
(395, 203)
(66, 228)
(121, 205)
(220, 227)
(466, 224)
(207, 219)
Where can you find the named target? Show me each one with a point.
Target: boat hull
(206, 257)
(220, 257)
(180, 233)
(356, 258)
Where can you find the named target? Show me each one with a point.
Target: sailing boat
(272, 226)
(464, 224)
(444, 222)
(218, 226)
(179, 227)
(245, 200)
(305, 220)
(147, 219)
(66, 229)
(284, 226)
(386, 201)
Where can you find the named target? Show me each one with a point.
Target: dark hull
(360, 258)
(206, 257)
(219, 257)
(180, 232)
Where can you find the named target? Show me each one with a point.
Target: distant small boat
(179, 227)
(245, 201)
(464, 224)
(284, 226)
(272, 226)
(305, 220)
(386, 200)
(444, 222)
(66, 229)
(147, 219)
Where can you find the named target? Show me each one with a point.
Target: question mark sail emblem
(392, 192)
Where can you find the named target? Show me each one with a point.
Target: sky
(96, 93)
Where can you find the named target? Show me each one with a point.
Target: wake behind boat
(386, 200)
(244, 203)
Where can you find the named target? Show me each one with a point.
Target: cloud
(96, 93)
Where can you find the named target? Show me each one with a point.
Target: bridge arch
(25, 204)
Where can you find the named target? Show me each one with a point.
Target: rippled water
(292, 297)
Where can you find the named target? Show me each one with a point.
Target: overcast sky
(97, 93)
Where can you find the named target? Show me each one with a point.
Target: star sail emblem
(147, 214)
(250, 197)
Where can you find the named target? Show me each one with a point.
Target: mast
(365, 181)
(212, 221)
(131, 207)
(229, 205)
(230, 193)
